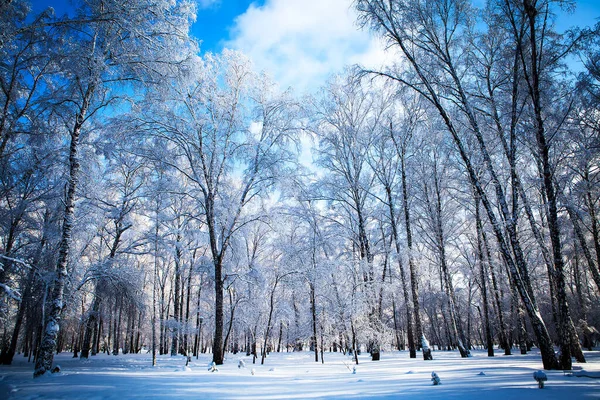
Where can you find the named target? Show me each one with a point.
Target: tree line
(157, 199)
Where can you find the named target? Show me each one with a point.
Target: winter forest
(161, 200)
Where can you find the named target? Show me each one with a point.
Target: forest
(155, 198)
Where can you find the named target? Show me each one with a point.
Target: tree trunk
(313, 310)
(414, 285)
(92, 320)
(489, 341)
(43, 362)
(7, 356)
(218, 355)
(436, 213)
(176, 298)
(565, 331)
(412, 348)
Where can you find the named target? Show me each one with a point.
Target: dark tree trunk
(176, 298)
(412, 347)
(313, 310)
(436, 213)
(91, 323)
(7, 356)
(414, 285)
(280, 336)
(218, 355)
(565, 330)
(489, 341)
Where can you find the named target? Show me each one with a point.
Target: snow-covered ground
(297, 376)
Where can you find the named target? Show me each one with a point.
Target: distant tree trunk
(117, 326)
(232, 306)
(154, 283)
(414, 285)
(92, 320)
(7, 356)
(397, 333)
(583, 244)
(354, 344)
(270, 318)
(489, 341)
(176, 298)
(403, 281)
(297, 340)
(97, 337)
(436, 213)
(280, 336)
(313, 310)
(504, 336)
(198, 319)
(595, 232)
(162, 338)
(187, 305)
(218, 355)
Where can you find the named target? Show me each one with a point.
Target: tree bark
(483, 278)
(48, 346)
(176, 297)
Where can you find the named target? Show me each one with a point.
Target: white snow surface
(297, 376)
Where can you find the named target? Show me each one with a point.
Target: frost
(52, 328)
(10, 292)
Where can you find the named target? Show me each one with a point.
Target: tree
(101, 46)
(348, 120)
(230, 132)
(431, 37)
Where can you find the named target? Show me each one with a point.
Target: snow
(297, 376)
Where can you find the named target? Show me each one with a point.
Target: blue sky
(216, 19)
(301, 42)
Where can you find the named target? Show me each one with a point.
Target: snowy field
(296, 376)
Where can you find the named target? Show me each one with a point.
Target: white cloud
(301, 42)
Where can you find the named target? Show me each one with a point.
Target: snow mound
(585, 374)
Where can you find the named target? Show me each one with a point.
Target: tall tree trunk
(504, 336)
(232, 306)
(489, 341)
(176, 298)
(313, 311)
(198, 319)
(7, 357)
(583, 245)
(436, 213)
(218, 355)
(412, 348)
(414, 285)
(154, 283)
(90, 325)
(270, 319)
(187, 305)
(565, 330)
(43, 362)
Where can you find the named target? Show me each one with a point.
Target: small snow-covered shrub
(435, 379)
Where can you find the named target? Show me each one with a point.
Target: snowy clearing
(297, 376)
